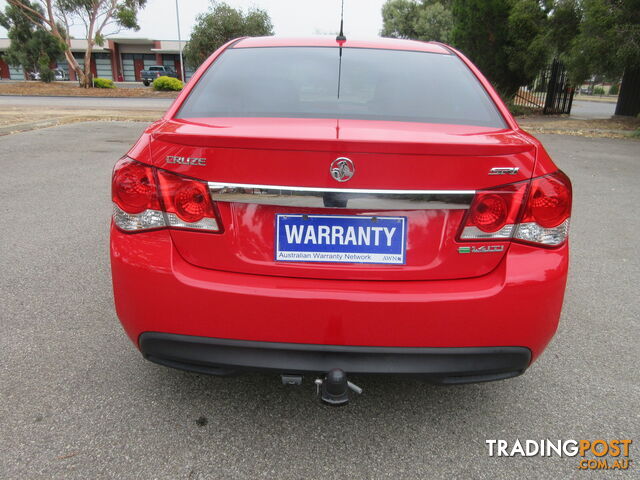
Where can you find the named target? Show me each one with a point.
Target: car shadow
(408, 401)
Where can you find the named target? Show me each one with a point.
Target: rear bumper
(440, 365)
(516, 305)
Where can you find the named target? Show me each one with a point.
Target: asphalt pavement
(78, 401)
(586, 109)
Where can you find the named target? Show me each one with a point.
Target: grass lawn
(71, 89)
(597, 98)
(616, 127)
(22, 119)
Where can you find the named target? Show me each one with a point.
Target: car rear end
(311, 205)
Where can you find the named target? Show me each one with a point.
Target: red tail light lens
(141, 202)
(489, 212)
(494, 213)
(550, 200)
(133, 187)
(191, 203)
(187, 202)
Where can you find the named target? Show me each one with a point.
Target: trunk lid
(450, 160)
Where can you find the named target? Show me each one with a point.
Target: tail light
(537, 212)
(134, 187)
(546, 217)
(494, 213)
(187, 203)
(147, 198)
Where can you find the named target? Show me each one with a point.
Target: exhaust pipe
(334, 388)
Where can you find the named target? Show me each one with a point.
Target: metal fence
(549, 93)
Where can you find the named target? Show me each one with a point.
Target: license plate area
(341, 239)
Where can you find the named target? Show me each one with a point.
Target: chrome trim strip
(225, 185)
(317, 197)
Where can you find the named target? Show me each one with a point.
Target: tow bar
(333, 389)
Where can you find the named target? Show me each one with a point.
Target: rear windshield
(367, 84)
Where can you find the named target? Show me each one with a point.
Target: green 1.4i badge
(482, 249)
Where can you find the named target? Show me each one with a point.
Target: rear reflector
(145, 198)
(536, 213)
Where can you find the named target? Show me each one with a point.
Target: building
(119, 59)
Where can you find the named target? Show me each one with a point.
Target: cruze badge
(200, 162)
(342, 169)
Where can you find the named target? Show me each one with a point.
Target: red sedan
(313, 206)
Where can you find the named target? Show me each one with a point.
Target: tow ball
(334, 388)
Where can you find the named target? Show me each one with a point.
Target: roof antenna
(341, 37)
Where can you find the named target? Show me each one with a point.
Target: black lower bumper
(440, 365)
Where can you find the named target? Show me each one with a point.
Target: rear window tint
(370, 84)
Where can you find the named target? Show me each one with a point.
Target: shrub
(521, 111)
(46, 74)
(615, 88)
(598, 91)
(169, 84)
(103, 83)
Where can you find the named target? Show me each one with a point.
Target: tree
(221, 24)
(58, 16)
(506, 39)
(564, 25)
(608, 44)
(31, 47)
(398, 19)
(425, 20)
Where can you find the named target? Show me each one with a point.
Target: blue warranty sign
(341, 239)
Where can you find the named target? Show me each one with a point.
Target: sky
(362, 18)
